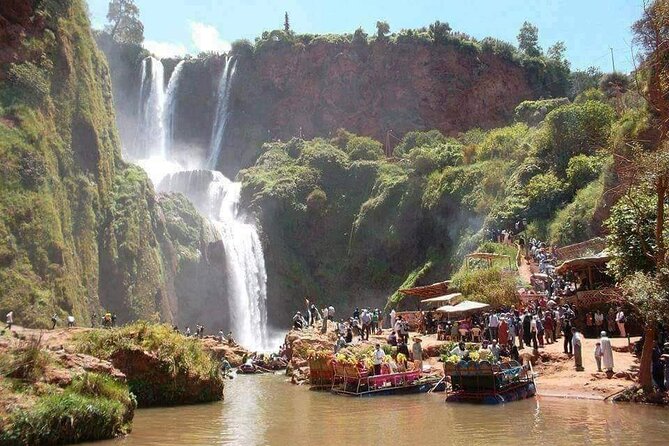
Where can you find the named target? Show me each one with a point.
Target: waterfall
(221, 117)
(170, 106)
(217, 198)
(151, 111)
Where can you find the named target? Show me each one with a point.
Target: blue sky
(588, 27)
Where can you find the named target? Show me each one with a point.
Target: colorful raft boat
(353, 380)
(487, 383)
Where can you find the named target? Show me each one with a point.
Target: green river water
(265, 410)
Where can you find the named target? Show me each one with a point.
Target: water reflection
(264, 410)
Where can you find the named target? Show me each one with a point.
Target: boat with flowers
(488, 382)
(354, 377)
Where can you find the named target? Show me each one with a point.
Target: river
(265, 410)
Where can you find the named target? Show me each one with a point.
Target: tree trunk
(645, 374)
(661, 192)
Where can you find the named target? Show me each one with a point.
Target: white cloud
(165, 49)
(206, 38)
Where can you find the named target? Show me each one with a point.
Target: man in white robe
(607, 352)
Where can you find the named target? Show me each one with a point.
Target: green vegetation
(174, 370)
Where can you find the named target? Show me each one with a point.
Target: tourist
(533, 333)
(607, 352)
(512, 329)
(417, 351)
(493, 325)
(393, 318)
(567, 333)
(231, 340)
(356, 313)
(187, 331)
(476, 333)
(459, 350)
(599, 321)
(331, 312)
(527, 332)
(113, 320)
(548, 328)
(402, 348)
(298, 321)
(620, 321)
(611, 320)
(349, 335)
(503, 331)
(514, 354)
(54, 320)
(577, 344)
(589, 323)
(455, 332)
(9, 320)
(366, 319)
(494, 350)
(341, 327)
(70, 321)
(540, 330)
(598, 356)
(375, 321)
(225, 366)
(392, 339)
(341, 343)
(314, 315)
(220, 336)
(324, 326)
(94, 318)
(399, 328)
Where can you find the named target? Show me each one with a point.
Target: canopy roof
(427, 291)
(583, 263)
(466, 306)
(583, 249)
(446, 298)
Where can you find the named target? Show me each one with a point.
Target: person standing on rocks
(54, 320)
(70, 321)
(567, 332)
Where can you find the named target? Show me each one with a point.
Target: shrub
(242, 47)
(533, 112)
(574, 223)
(582, 169)
(575, 129)
(488, 285)
(545, 193)
(506, 142)
(29, 81)
(317, 200)
(364, 148)
(614, 84)
(419, 139)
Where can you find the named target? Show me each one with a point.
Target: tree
(286, 23)
(584, 80)
(557, 51)
(438, 31)
(613, 85)
(651, 35)
(359, 37)
(382, 28)
(124, 24)
(528, 40)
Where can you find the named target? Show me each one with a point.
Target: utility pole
(613, 62)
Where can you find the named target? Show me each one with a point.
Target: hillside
(81, 231)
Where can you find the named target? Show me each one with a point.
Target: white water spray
(222, 113)
(170, 106)
(151, 109)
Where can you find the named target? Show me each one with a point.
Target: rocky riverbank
(66, 386)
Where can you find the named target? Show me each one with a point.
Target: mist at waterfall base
(215, 196)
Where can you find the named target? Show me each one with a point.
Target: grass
(67, 417)
(183, 355)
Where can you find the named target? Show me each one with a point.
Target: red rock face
(313, 90)
(16, 22)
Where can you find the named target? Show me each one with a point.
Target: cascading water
(151, 109)
(221, 117)
(170, 106)
(211, 192)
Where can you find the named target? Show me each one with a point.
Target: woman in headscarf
(503, 332)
